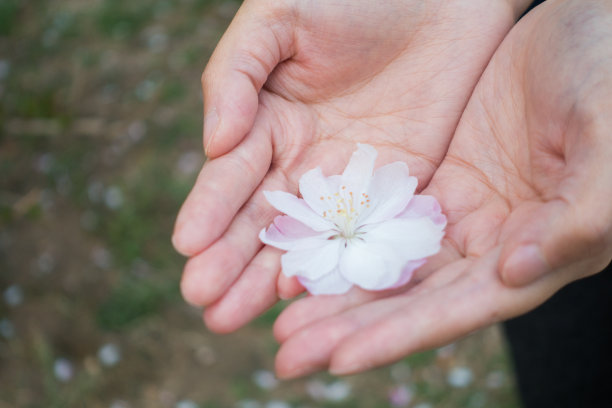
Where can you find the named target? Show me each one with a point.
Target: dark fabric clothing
(562, 350)
(532, 5)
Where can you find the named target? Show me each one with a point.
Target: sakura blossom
(364, 227)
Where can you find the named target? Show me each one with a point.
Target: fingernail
(525, 265)
(211, 121)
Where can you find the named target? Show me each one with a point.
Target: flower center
(343, 210)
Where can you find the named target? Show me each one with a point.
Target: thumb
(557, 234)
(255, 42)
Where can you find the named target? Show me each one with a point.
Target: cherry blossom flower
(363, 227)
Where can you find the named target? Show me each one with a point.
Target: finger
(309, 349)
(476, 298)
(288, 287)
(208, 275)
(418, 324)
(308, 310)
(223, 186)
(249, 296)
(240, 65)
(575, 229)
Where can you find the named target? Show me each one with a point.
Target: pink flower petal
(332, 283)
(298, 209)
(288, 233)
(390, 191)
(314, 262)
(292, 228)
(407, 272)
(424, 206)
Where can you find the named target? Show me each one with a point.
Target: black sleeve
(532, 5)
(562, 350)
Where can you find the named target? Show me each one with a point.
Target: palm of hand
(518, 168)
(401, 87)
(402, 94)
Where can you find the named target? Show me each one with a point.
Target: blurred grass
(120, 19)
(8, 16)
(133, 300)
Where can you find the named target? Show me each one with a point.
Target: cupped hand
(294, 85)
(526, 187)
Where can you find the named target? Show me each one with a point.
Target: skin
(293, 85)
(533, 150)
(528, 168)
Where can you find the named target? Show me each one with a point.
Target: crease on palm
(332, 120)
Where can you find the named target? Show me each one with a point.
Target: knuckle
(257, 213)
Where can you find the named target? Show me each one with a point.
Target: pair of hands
(508, 126)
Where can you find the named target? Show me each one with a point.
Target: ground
(100, 140)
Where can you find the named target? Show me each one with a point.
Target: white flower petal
(332, 283)
(298, 209)
(358, 172)
(314, 262)
(315, 188)
(409, 238)
(390, 191)
(408, 271)
(370, 266)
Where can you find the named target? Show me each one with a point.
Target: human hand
(528, 170)
(294, 85)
